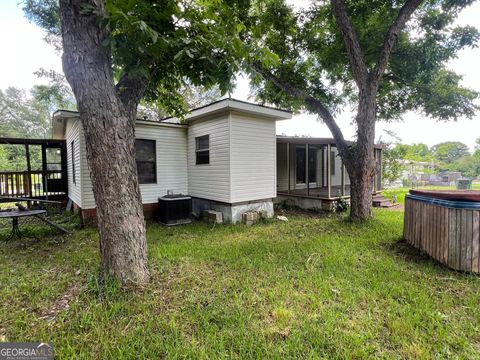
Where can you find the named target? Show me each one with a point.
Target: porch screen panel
(336, 173)
(301, 164)
(312, 164)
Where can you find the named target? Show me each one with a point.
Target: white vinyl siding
(242, 159)
(88, 200)
(73, 131)
(253, 158)
(171, 161)
(171, 148)
(210, 181)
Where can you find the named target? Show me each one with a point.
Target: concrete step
(383, 204)
(381, 201)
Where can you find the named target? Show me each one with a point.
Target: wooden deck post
(329, 180)
(380, 178)
(306, 168)
(323, 168)
(28, 179)
(288, 165)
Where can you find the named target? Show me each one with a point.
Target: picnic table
(15, 215)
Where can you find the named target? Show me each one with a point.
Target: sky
(23, 51)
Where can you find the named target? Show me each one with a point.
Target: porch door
(54, 169)
(301, 165)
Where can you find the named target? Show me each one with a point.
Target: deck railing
(33, 184)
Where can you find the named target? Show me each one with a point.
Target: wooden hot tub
(446, 225)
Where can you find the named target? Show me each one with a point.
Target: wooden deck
(319, 192)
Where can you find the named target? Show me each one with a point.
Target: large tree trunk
(361, 167)
(108, 121)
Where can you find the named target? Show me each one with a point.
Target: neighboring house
(223, 155)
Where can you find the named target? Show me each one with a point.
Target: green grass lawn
(312, 287)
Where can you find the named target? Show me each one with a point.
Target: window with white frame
(202, 150)
(146, 158)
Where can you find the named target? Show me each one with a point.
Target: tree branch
(313, 104)
(391, 38)
(354, 51)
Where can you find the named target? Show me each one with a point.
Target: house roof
(313, 141)
(60, 116)
(230, 104)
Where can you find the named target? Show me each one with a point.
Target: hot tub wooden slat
(444, 257)
(426, 227)
(461, 225)
(428, 213)
(461, 239)
(423, 239)
(440, 233)
(434, 238)
(429, 229)
(418, 225)
(440, 241)
(469, 240)
(476, 240)
(406, 222)
(452, 235)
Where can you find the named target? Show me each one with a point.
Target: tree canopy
(28, 114)
(450, 151)
(311, 55)
(172, 45)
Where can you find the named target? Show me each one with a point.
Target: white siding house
(73, 139)
(253, 152)
(210, 181)
(222, 155)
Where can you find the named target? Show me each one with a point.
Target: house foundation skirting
(307, 203)
(232, 212)
(88, 217)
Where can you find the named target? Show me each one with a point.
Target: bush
(341, 205)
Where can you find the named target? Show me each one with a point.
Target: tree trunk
(109, 125)
(361, 168)
(361, 197)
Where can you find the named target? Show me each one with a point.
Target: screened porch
(32, 169)
(312, 167)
